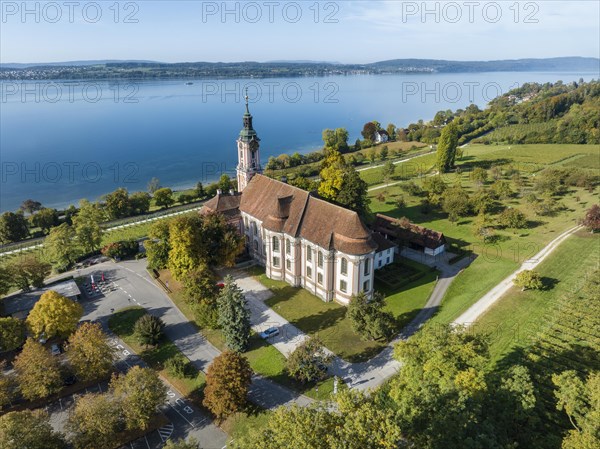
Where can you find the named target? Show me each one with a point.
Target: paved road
(490, 298)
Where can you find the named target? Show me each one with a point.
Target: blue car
(270, 332)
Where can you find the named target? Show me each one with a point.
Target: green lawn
(122, 322)
(328, 320)
(495, 261)
(404, 170)
(519, 315)
(406, 303)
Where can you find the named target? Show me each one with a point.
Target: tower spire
(248, 144)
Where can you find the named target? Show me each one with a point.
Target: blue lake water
(60, 142)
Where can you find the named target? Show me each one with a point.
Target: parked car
(55, 349)
(220, 285)
(270, 332)
(43, 338)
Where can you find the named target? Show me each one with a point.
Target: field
(568, 339)
(519, 315)
(494, 261)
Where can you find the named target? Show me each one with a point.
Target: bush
(513, 218)
(121, 249)
(178, 366)
(149, 330)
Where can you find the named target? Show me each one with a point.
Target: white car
(270, 332)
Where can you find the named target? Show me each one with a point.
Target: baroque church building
(298, 237)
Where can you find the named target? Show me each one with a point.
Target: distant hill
(570, 63)
(112, 69)
(18, 65)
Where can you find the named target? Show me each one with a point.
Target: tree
(369, 131)
(149, 330)
(196, 239)
(29, 270)
(592, 218)
(45, 219)
(12, 333)
(29, 429)
(5, 280)
(185, 245)
(384, 153)
(581, 402)
(54, 315)
(199, 190)
(501, 189)
(482, 227)
(446, 149)
(61, 248)
(482, 201)
(37, 370)
(153, 185)
(30, 206)
(389, 168)
(117, 204)
(456, 203)
(368, 318)
(184, 198)
(94, 421)
(529, 279)
(443, 387)
(225, 183)
(513, 218)
(435, 187)
(391, 130)
(200, 291)
(89, 353)
(13, 227)
(164, 197)
(234, 316)
(157, 245)
(87, 226)
(139, 203)
(341, 184)
(7, 387)
(360, 422)
(308, 362)
(141, 394)
(227, 381)
(479, 176)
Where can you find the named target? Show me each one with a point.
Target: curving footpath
(490, 298)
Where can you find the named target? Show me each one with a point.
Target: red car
(220, 285)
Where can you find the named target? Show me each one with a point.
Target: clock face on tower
(254, 145)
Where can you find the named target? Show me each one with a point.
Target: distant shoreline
(141, 70)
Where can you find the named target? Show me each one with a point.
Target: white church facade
(298, 237)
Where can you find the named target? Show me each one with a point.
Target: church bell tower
(248, 151)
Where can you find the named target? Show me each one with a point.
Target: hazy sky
(341, 31)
